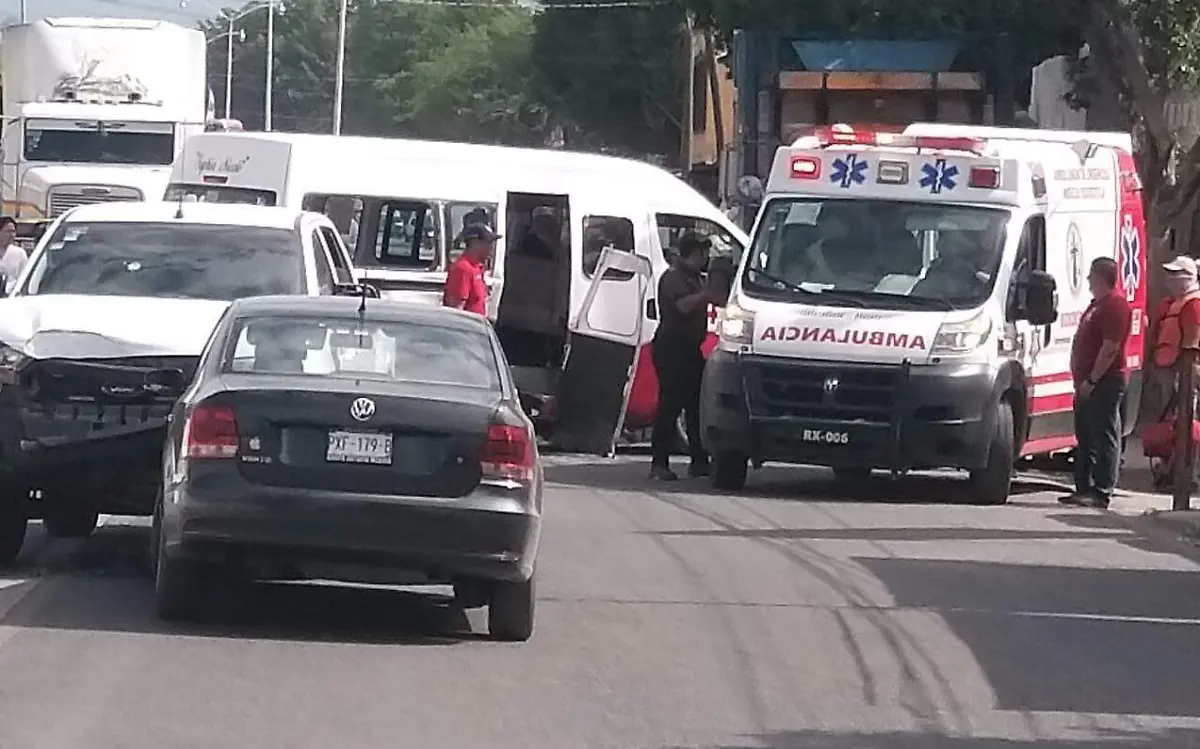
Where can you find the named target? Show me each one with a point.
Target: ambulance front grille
(65, 197)
(823, 390)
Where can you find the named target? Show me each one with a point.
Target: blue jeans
(1098, 433)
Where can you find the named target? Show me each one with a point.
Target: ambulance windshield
(876, 253)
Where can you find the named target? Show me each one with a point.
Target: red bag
(1158, 439)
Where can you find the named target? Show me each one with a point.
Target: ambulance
(908, 302)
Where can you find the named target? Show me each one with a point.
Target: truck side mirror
(1041, 298)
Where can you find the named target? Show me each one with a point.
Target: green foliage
(613, 75)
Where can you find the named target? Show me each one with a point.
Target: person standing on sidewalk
(1174, 326)
(1098, 370)
(683, 299)
(466, 288)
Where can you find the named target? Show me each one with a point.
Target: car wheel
(70, 521)
(728, 471)
(511, 610)
(14, 518)
(991, 484)
(851, 473)
(176, 581)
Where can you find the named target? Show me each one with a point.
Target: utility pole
(24, 12)
(340, 75)
(1185, 447)
(269, 104)
(229, 70)
(689, 77)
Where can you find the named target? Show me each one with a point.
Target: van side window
(342, 272)
(345, 211)
(672, 226)
(1031, 256)
(321, 260)
(600, 232)
(406, 235)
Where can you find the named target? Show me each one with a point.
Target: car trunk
(424, 441)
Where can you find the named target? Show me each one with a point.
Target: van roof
(193, 213)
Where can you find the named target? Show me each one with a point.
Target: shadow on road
(1065, 639)
(105, 586)
(1130, 739)
(805, 482)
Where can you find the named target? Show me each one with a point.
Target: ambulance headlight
(735, 325)
(964, 336)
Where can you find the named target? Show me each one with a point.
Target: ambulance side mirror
(1041, 298)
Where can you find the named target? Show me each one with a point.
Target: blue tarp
(875, 55)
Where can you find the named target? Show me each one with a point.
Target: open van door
(605, 338)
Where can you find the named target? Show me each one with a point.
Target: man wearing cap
(1174, 326)
(465, 287)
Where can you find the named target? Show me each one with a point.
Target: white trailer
(95, 110)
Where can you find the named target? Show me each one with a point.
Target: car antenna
(179, 208)
(362, 312)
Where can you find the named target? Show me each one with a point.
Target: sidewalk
(1138, 498)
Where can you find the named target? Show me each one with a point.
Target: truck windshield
(195, 261)
(79, 142)
(218, 194)
(876, 252)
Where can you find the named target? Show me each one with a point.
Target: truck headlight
(964, 336)
(735, 325)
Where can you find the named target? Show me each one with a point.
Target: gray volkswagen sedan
(351, 439)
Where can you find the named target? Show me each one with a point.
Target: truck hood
(841, 334)
(150, 180)
(103, 327)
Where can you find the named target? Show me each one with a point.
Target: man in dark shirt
(683, 299)
(1098, 370)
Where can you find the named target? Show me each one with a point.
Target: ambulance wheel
(990, 485)
(14, 519)
(728, 471)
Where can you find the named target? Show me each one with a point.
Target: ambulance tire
(728, 471)
(14, 519)
(990, 485)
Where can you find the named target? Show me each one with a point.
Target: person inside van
(1098, 370)
(465, 286)
(683, 299)
(542, 240)
(956, 272)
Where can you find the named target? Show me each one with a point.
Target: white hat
(1181, 264)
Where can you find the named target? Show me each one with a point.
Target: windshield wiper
(912, 301)
(833, 294)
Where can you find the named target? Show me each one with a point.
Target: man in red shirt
(465, 287)
(1098, 370)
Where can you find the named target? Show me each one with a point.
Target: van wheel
(728, 471)
(14, 518)
(991, 484)
(511, 610)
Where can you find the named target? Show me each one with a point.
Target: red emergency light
(841, 136)
(984, 178)
(805, 167)
(214, 179)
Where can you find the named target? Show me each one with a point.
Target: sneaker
(1074, 499)
(662, 473)
(1097, 501)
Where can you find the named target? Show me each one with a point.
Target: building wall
(705, 151)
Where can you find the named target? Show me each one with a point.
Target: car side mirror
(1041, 298)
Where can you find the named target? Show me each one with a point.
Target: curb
(1176, 537)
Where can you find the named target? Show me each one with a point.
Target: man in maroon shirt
(1098, 370)
(465, 287)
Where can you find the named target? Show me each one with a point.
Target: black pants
(679, 369)
(1098, 433)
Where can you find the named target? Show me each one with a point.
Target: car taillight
(508, 453)
(210, 432)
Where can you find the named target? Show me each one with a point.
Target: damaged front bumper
(90, 426)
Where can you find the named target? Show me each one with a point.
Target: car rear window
(334, 347)
(199, 261)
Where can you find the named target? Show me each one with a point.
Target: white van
(401, 205)
(909, 302)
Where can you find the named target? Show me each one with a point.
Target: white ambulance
(909, 300)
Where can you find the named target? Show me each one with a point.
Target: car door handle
(651, 310)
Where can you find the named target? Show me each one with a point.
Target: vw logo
(362, 409)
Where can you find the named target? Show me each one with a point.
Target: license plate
(824, 437)
(374, 448)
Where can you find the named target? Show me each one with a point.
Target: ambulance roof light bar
(840, 135)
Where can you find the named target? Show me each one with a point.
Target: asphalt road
(801, 615)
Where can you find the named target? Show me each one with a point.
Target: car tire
(71, 521)
(511, 611)
(851, 473)
(14, 519)
(990, 485)
(729, 471)
(176, 581)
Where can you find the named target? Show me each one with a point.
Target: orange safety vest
(1168, 337)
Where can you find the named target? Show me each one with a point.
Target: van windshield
(877, 253)
(218, 194)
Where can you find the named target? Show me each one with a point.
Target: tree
(411, 70)
(1143, 50)
(612, 75)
